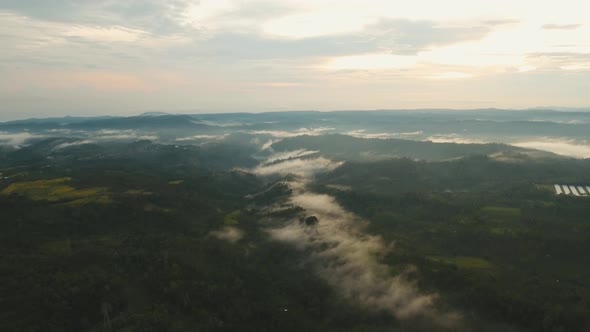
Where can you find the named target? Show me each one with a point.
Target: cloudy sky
(84, 57)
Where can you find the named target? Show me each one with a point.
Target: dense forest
(142, 236)
(491, 235)
(294, 166)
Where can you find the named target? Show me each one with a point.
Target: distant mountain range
(565, 131)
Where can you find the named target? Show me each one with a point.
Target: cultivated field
(57, 190)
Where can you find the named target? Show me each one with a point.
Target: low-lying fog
(339, 250)
(564, 133)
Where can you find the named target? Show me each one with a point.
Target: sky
(123, 57)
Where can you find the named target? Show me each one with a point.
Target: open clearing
(231, 219)
(462, 262)
(501, 213)
(57, 190)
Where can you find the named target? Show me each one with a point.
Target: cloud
(136, 21)
(429, 48)
(228, 233)
(561, 26)
(108, 34)
(84, 47)
(361, 133)
(107, 81)
(279, 84)
(569, 61)
(499, 22)
(17, 139)
(268, 144)
(455, 138)
(219, 124)
(109, 134)
(244, 46)
(281, 156)
(372, 62)
(402, 36)
(342, 254)
(303, 167)
(348, 260)
(298, 132)
(157, 16)
(564, 147)
(214, 48)
(202, 137)
(77, 143)
(452, 75)
(60, 131)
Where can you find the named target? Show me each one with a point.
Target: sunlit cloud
(303, 167)
(17, 139)
(455, 138)
(470, 55)
(348, 260)
(565, 147)
(279, 84)
(526, 68)
(315, 24)
(362, 133)
(76, 143)
(451, 75)
(281, 156)
(107, 80)
(228, 233)
(201, 137)
(110, 34)
(561, 26)
(298, 132)
(577, 67)
(109, 134)
(201, 13)
(314, 54)
(372, 61)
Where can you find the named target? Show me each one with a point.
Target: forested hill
(344, 147)
(118, 230)
(470, 174)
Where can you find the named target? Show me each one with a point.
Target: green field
(231, 219)
(57, 190)
(462, 262)
(500, 213)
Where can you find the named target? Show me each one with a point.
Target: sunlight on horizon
(288, 55)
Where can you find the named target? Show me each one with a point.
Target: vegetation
(55, 190)
(496, 244)
(359, 149)
(124, 237)
(147, 261)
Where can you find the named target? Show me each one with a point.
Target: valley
(311, 230)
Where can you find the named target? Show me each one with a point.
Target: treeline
(483, 233)
(472, 173)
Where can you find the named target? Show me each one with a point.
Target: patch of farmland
(57, 190)
(462, 262)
